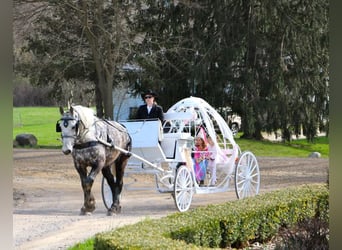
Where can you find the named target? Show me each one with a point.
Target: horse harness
(109, 142)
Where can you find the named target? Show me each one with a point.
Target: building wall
(123, 103)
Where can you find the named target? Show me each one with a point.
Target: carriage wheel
(107, 196)
(247, 176)
(183, 189)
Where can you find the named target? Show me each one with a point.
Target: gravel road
(47, 197)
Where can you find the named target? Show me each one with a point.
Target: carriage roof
(201, 113)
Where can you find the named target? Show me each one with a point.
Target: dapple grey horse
(91, 142)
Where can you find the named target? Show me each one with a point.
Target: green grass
(296, 148)
(85, 245)
(41, 121)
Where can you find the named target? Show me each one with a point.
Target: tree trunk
(104, 85)
(107, 88)
(98, 100)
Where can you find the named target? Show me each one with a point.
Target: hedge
(231, 224)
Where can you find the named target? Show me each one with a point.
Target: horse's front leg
(87, 181)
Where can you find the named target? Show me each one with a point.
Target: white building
(124, 103)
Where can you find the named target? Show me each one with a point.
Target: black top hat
(149, 92)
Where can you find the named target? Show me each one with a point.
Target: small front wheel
(247, 176)
(107, 196)
(183, 189)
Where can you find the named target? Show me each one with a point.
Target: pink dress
(200, 167)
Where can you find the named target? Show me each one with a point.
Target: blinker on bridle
(65, 124)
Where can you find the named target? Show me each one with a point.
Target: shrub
(308, 234)
(232, 224)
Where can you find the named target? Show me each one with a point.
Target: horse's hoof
(110, 213)
(114, 210)
(85, 212)
(117, 209)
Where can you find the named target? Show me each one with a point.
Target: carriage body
(165, 150)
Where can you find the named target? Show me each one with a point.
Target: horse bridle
(65, 124)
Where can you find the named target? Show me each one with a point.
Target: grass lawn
(295, 148)
(39, 121)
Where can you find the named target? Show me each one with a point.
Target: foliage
(267, 60)
(24, 94)
(231, 224)
(86, 245)
(52, 54)
(78, 44)
(309, 234)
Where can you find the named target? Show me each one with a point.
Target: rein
(116, 127)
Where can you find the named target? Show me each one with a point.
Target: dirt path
(47, 197)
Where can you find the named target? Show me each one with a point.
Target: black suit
(155, 112)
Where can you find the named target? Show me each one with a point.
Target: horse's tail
(129, 142)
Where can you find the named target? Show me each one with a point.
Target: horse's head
(68, 126)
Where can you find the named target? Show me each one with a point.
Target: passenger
(212, 160)
(200, 160)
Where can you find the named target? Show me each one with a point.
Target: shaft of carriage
(133, 155)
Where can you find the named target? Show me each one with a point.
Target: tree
(298, 66)
(276, 58)
(82, 40)
(267, 60)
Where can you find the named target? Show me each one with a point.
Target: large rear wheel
(183, 189)
(247, 176)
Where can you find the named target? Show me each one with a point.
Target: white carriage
(165, 151)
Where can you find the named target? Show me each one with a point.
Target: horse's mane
(86, 115)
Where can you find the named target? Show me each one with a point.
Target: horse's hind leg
(107, 173)
(120, 165)
(116, 186)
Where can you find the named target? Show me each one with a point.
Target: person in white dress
(212, 160)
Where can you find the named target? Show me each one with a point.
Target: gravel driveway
(47, 197)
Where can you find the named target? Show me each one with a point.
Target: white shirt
(149, 109)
